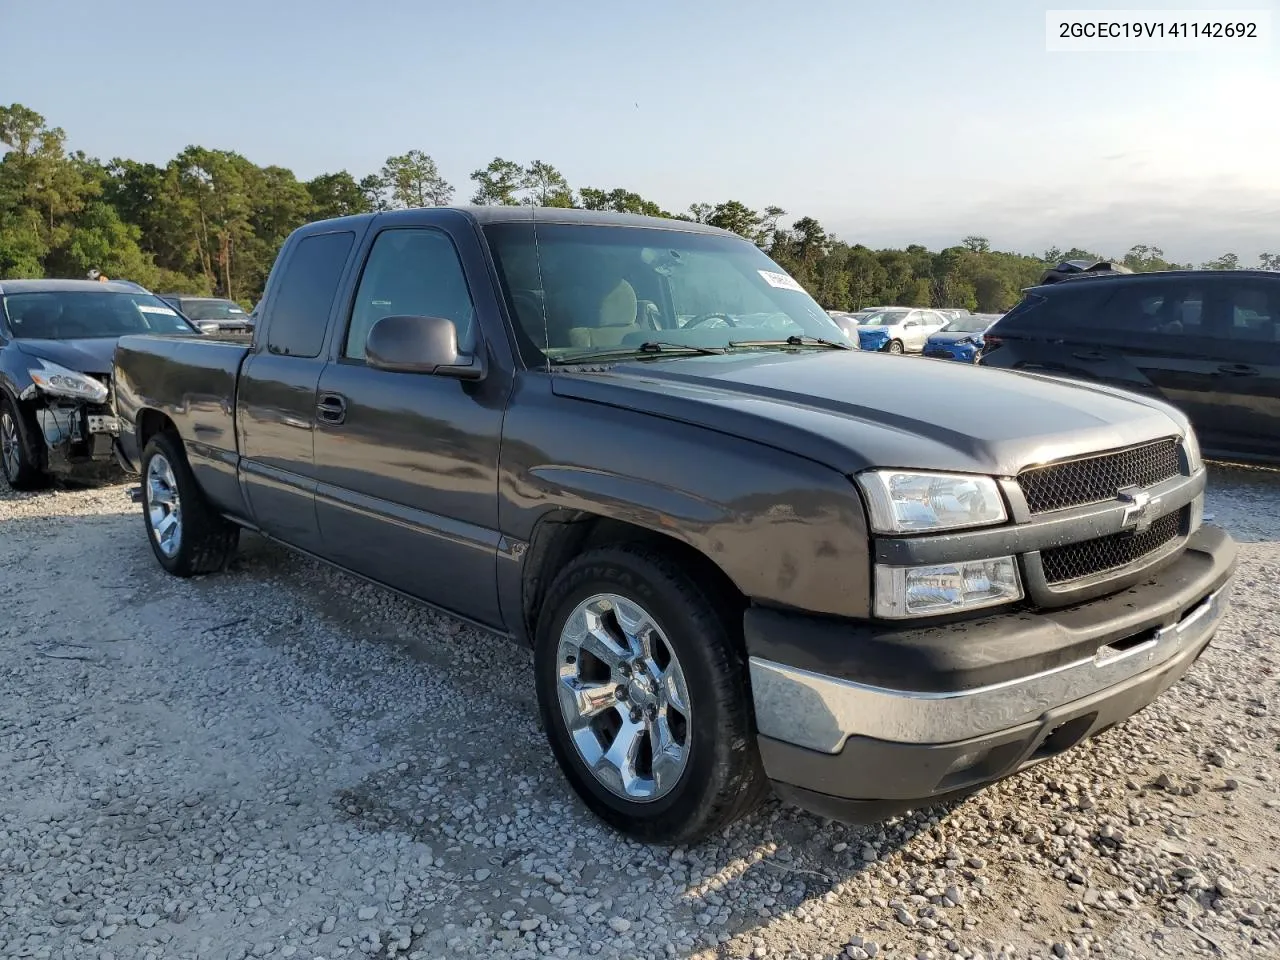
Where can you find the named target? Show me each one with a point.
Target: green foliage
(336, 195)
(413, 180)
(504, 183)
(619, 201)
(545, 186)
(211, 222)
(498, 184)
(1228, 261)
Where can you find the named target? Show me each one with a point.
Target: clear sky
(890, 122)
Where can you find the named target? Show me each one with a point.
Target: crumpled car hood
(852, 411)
(90, 355)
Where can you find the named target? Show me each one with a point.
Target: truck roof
(1075, 281)
(63, 286)
(500, 214)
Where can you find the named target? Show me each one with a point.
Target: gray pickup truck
(745, 555)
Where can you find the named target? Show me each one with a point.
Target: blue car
(961, 339)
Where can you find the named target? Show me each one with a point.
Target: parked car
(848, 326)
(898, 329)
(961, 339)
(212, 314)
(56, 342)
(740, 560)
(1207, 341)
(954, 313)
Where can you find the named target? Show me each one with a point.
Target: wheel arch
(25, 408)
(148, 423)
(562, 534)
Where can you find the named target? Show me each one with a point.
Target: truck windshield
(576, 290)
(77, 315)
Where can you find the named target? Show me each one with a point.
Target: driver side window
(411, 272)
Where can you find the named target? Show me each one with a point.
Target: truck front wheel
(644, 697)
(187, 536)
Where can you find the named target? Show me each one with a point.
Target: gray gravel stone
(256, 758)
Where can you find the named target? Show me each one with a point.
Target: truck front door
(407, 462)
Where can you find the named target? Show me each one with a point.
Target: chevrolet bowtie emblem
(1139, 509)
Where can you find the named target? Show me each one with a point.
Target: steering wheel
(703, 317)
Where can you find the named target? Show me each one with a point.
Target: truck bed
(193, 382)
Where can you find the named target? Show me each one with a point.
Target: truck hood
(852, 411)
(90, 355)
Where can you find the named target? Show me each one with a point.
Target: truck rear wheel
(187, 536)
(644, 697)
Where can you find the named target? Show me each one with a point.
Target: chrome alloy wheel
(164, 508)
(623, 697)
(10, 446)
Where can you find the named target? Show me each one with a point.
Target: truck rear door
(1241, 402)
(408, 462)
(276, 392)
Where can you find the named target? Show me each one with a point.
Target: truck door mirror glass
(419, 345)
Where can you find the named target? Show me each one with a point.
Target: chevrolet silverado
(745, 556)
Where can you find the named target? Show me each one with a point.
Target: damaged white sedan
(57, 338)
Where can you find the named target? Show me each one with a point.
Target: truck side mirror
(405, 344)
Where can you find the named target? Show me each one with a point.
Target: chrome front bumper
(820, 712)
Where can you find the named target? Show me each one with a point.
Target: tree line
(210, 222)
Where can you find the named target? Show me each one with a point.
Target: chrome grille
(1077, 560)
(1095, 479)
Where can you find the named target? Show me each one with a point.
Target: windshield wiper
(650, 348)
(792, 341)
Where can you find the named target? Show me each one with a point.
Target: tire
(895, 347)
(720, 777)
(20, 457)
(203, 541)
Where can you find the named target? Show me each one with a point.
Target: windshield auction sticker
(1135, 31)
(780, 280)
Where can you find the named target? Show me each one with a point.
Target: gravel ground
(280, 761)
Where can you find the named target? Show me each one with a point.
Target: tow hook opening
(1065, 736)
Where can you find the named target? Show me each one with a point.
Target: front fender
(786, 531)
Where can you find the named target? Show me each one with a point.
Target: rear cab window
(298, 317)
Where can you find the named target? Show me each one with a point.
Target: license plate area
(103, 423)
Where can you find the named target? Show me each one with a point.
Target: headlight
(61, 382)
(207, 326)
(946, 587)
(911, 502)
(1192, 448)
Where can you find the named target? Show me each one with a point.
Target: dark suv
(1207, 341)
